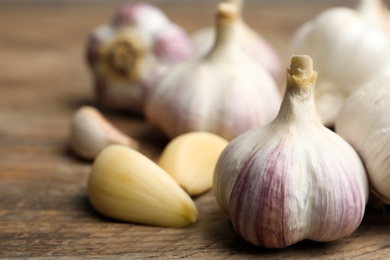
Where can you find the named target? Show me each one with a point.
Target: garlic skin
(364, 123)
(126, 185)
(191, 158)
(375, 12)
(251, 42)
(214, 92)
(292, 179)
(90, 133)
(128, 55)
(347, 51)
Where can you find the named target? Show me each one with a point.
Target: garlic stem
(301, 66)
(238, 3)
(227, 15)
(300, 83)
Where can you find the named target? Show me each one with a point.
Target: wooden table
(44, 210)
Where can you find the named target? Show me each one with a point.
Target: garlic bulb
(129, 55)
(376, 13)
(251, 42)
(348, 52)
(225, 92)
(364, 122)
(292, 179)
(90, 133)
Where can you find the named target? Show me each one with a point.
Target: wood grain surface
(44, 210)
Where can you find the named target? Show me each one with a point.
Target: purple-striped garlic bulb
(224, 92)
(251, 42)
(292, 179)
(130, 54)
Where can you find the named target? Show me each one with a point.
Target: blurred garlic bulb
(347, 51)
(364, 121)
(376, 13)
(251, 42)
(292, 179)
(225, 92)
(129, 55)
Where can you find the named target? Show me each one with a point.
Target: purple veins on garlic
(224, 92)
(250, 41)
(128, 55)
(292, 179)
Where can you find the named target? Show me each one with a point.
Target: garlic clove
(250, 41)
(340, 40)
(190, 159)
(292, 179)
(127, 186)
(90, 133)
(364, 122)
(214, 92)
(128, 55)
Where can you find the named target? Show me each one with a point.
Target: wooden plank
(44, 211)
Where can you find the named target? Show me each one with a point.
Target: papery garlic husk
(126, 185)
(191, 158)
(131, 53)
(375, 12)
(292, 179)
(225, 92)
(364, 121)
(347, 52)
(251, 42)
(91, 132)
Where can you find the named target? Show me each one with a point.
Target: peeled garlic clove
(251, 42)
(190, 159)
(364, 122)
(90, 133)
(215, 92)
(129, 55)
(347, 51)
(292, 179)
(126, 185)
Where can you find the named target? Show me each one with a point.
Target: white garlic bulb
(347, 51)
(292, 179)
(364, 121)
(225, 92)
(251, 42)
(130, 54)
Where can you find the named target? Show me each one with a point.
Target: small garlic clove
(191, 158)
(127, 186)
(90, 133)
